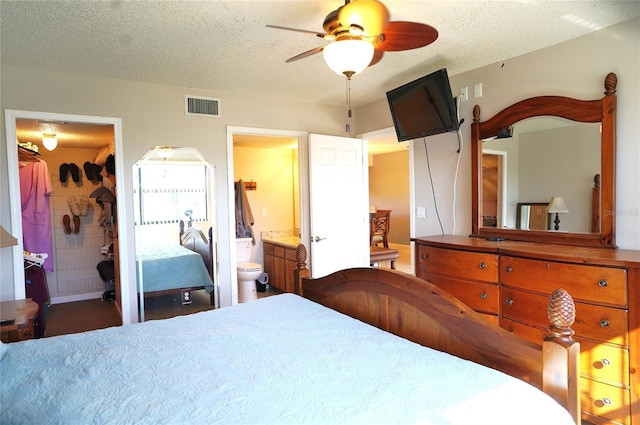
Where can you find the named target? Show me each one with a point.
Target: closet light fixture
(164, 152)
(49, 141)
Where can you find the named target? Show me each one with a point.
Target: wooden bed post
(301, 269)
(561, 354)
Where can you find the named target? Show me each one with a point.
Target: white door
(339, 198)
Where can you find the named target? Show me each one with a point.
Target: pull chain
(348, 87)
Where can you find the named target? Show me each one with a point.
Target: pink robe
(35, 190)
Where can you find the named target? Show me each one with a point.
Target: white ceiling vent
(201, 106)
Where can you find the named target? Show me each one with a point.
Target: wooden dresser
(510, 283)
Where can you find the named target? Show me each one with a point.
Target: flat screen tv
(423, 107)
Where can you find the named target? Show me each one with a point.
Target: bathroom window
(172, 192)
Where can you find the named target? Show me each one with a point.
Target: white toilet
(247, 272)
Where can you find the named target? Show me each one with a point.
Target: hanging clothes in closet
(35, 190)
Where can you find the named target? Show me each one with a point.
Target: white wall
(576, 68)
(389, 190)
(151, 115)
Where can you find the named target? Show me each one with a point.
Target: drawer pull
(509, 301)
(423, 256)
(603, 283)
(508, 269)
(606, 362)
(483, 296)
(603, 402)
(604, 323)
(483, 266)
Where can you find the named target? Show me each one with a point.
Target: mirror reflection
(175, 241)
(534, 161)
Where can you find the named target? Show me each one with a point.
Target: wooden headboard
(421, 312)
(195, 240)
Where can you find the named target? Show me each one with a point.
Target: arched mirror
(174, 212)
(543, 170)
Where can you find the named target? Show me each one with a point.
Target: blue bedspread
(172, 267)
(278, 360)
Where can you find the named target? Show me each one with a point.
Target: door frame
(229, 294)
(11, 115)
(501, 190)
(412, 183)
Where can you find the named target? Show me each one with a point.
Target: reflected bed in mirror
(540, 148)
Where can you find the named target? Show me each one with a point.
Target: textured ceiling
(224, 46)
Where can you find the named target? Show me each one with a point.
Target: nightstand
(23, 313)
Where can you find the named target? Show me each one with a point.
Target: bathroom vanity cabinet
(279, 263)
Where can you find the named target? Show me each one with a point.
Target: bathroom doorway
(267, 161)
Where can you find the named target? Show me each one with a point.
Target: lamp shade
(556, 205)
(6, 239)
(348, 57)
(49, 141)
(369, 15)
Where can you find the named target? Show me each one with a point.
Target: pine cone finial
(561, 309)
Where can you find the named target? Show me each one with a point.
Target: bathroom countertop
(286, 241)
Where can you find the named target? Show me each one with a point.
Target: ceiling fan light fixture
(348, 57)
(371, 15)
(49, 141)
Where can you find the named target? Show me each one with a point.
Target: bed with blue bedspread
(169, 267)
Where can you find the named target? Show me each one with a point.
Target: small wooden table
(23, 313)
(377, 254)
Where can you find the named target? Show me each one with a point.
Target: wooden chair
(379, 228)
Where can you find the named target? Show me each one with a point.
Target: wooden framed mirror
(601, 114)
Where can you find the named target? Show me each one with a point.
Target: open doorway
(80, 139)
(271, 161)
(390, 183)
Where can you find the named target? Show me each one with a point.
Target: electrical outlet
(421, 212)
(264, 212)
(464, 94)
(186, 296)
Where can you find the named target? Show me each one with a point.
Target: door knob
(318, 239)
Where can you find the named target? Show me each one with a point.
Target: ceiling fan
(360, 31)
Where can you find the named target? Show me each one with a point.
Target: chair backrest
(379, 224)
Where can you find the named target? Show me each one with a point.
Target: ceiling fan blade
(400, 35)
(305, 54)
(377, 57)
(317, 34)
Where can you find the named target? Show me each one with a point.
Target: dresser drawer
(592, 321)
(589, 283)
(604, 362)
(606, 401)
(482, 297)
(468, 265)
